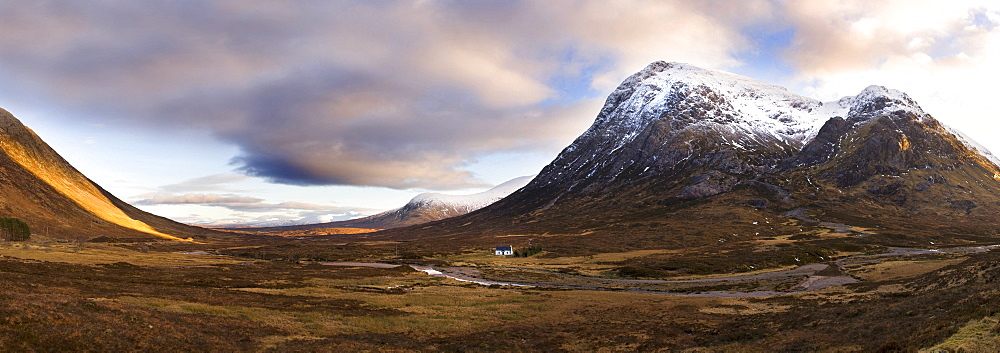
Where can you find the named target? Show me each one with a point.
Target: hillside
(41, 188)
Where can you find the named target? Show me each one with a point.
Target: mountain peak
(696, 97)
(693, 132)
(474, 201)
(877, 100)
(664, 117)
(427, 207)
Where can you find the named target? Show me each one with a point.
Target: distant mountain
(41, 188)
(686, 156)
(424, 208)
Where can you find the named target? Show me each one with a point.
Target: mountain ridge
(40, 187)
(674, 143)
(423, 208)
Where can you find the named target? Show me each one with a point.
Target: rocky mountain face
(42, 189)
(424, 208)
(895, 166)
(676, 146)
(712, 127)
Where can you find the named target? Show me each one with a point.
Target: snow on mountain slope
(469, 203)
(423, 208)
(739, 102)
(972, 144)
(674, 116)
(430, 207)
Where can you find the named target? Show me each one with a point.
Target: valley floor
(146, 297)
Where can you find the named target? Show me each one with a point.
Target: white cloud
(214, 182)
(212, 199)
(234, 202)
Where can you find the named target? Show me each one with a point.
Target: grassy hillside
(56, 200)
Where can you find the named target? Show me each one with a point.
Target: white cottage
(504, 250)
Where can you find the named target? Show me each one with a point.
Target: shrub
(14, 229)
(531, 250)
(638, 272)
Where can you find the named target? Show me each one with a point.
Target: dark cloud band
(397, 94)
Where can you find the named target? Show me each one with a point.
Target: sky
(271, 111)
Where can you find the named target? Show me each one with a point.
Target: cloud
(395, 94)
(213, 182)
(238, 203)
(273, 219)
(172, 199)
(859, 35)
(943, 54)
(236, 209)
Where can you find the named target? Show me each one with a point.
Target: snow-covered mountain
(670, 114)
(427, 207)
(672, 137)
(454, 205)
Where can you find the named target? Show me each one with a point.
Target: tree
(531, 250)
(14, 229)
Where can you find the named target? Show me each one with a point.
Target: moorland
(267, 293)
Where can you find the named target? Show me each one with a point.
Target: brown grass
(97, 253)
(893, 270)
(977, 336)
(105, 297)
